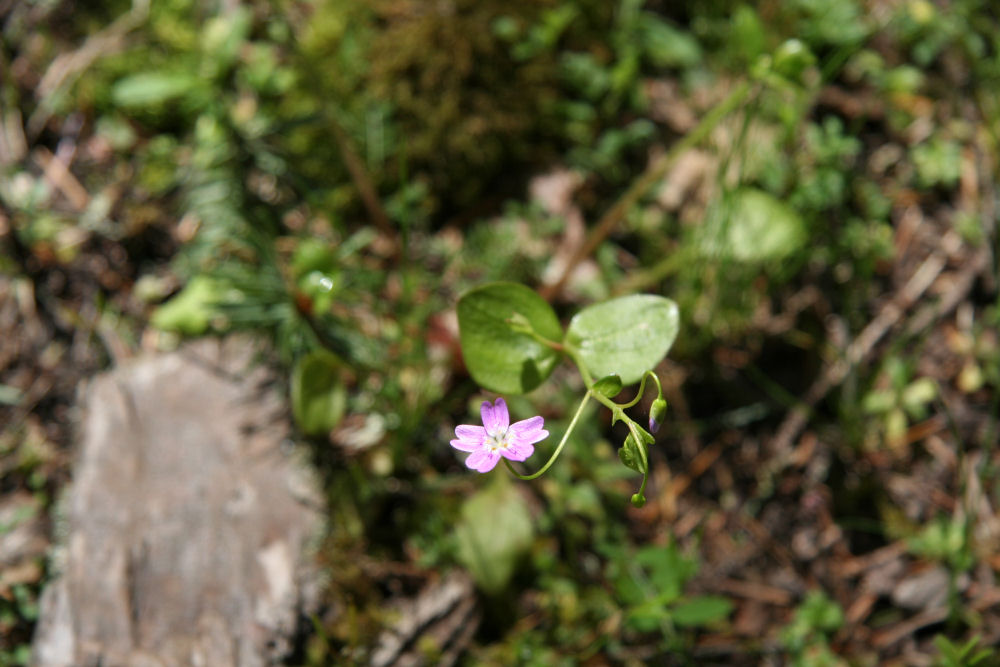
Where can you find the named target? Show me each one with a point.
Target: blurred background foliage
(333, 174)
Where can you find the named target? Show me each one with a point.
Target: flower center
(497, 441)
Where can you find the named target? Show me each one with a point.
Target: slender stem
(584, 373)
(638, 394)
(642, 388)
(642, 279)
(525, 327)
(641, 446)
(562, 443)
(551, 344)
(609, 404)
(362, 180)
(653, 174)
(641, 494)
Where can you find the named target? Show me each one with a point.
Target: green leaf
(625, 336)
(819, 613)
(667, 569)
(666, 46)
(878, 401)
(494, 532)
(152, 88)
(609, 385)
(313, 255)
(919, 393)
(629, 452)
(701, 610)
(792, 58)
(647, 616)
(500, 355)
(318, 395)
(191, 310)
(753, 227)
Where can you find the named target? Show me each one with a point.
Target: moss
(465, 108)
(462, 112)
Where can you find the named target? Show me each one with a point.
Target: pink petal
(470, 433)
(495, 418)
(483, 460)
(518, 451)
(466, 445)
(528, 437)
(526, 426)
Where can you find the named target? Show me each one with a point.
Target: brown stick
(67, 66)
(862, 346)
(362, 181)
(58, 174)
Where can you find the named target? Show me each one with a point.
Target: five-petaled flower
(498, 437)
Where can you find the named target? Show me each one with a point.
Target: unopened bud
(657, 413)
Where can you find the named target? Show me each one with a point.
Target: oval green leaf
(626, 336)
(190, 311)
(500, 355)
(490, 549)
(754, 227)
(318, 395)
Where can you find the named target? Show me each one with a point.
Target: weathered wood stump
(187, 522)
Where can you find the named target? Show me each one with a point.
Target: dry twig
(858, 350)
(67, 66)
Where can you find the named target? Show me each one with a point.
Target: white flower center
(498, 440)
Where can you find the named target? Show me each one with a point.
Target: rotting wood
(187, 522)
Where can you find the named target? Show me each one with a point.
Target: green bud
(638, 499)
(657, 412)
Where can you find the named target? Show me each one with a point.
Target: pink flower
(498, 437)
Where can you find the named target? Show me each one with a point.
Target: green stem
(559, 448)
(642, 388)
(526, 328)
(638, 499)
(653, 175)
(551, 344)
(656, 273)
(584, 373)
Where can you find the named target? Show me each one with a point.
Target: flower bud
(657, 412)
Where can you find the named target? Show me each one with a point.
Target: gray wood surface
(187, 521)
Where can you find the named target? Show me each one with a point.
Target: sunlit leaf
(500, 355)
(626, 336)
(753, 226)
(318, 394)
(190, 311)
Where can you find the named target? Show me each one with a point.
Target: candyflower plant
(512, 341)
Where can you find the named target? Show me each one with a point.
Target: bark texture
(187, 522)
